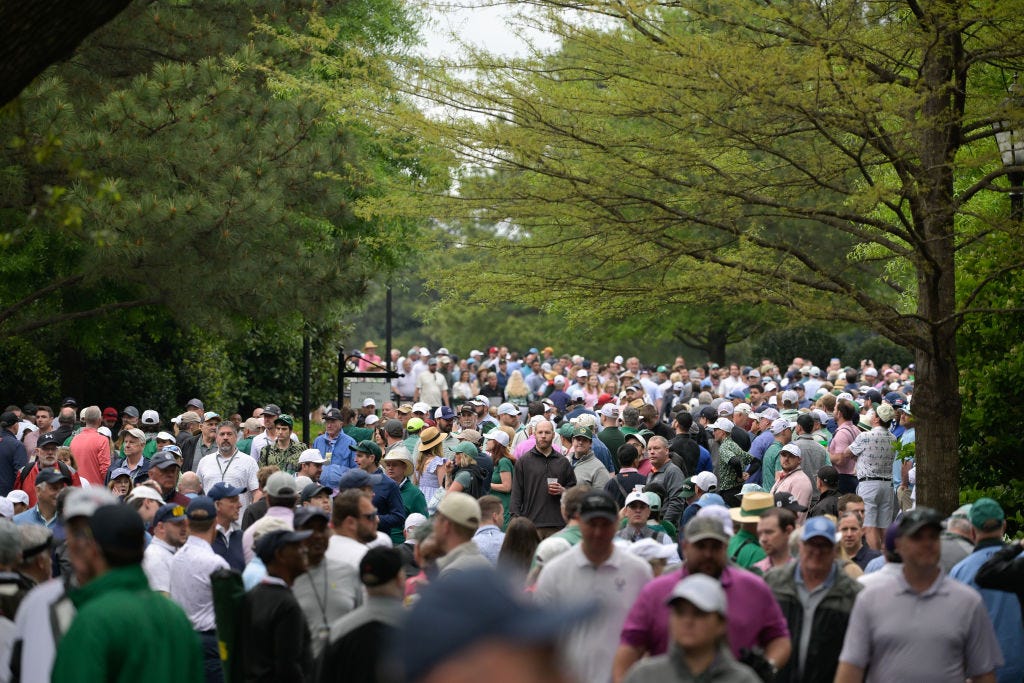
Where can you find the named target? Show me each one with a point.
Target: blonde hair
(516, 387)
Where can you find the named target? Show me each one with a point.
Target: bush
(810, 342)
(880, 350)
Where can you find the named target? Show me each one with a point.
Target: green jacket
(744, 549)
(124, 631)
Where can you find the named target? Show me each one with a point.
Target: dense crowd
(521, 517)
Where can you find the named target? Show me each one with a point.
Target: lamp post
(1010, 138)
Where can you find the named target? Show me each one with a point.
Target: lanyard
(224, 470)
(321, 603)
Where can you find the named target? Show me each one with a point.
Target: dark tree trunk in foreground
(38, 33)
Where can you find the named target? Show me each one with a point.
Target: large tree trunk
(936, 406)
(936, 401)
(35, 34)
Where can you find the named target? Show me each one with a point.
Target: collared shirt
(809, 600)
(464, 556)
(798, 484)
(327, 592)
(190, 581)
(886, 572)
(32, 516)
(238, 470)
(488, 539)
(156, 562)
(875, 453)
(942, 634)
(755, 617)
(274, 512)
(347, 551)
(337, 450)
(572, 579)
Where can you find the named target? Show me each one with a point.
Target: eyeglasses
(369, 517)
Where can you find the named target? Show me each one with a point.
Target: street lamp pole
(1010, 138)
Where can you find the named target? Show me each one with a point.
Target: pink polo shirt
(844, 436)
(798, 484)
(754, 616)
(92, 455)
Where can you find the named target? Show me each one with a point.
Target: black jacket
(530, 497)
(828, 630)
(274, 638)
(828, 504)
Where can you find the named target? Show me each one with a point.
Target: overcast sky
(482, 26)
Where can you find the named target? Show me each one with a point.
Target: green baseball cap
(367, 446)
(566, 431)
(468, 448)
(284, 419)
(987, 514)
(583, 432)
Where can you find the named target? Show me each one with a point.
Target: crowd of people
(523, 517)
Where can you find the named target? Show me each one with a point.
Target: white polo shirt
(237, 470)
(190, 581)
(571, 579)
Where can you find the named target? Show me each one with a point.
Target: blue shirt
(488, 539)
(32, 516)
(1003, 608)
(254, 572)
(337, 452)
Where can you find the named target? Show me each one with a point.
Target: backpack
(476, 482)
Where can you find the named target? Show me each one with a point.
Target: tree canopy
(170, 169)
(833, 159)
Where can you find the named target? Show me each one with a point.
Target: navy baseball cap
(354, 478)
(221, 490)
(201, 509)
(464, 608)
(120, 472)
(270, 543)
(52, 476)
(314, 489)
(306, 513)
(444, 413)
(169, 512)
(894, 399)
(48, 439)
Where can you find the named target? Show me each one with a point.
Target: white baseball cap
(725, 408)
(371, 420)
(150, 417)
(18, 496)
(610, 410)
(421, 407)
(782, 424)
(497, 435)
(369, 402)
(311, 455)
(637, 496)
(707, 481)
(582, 373)
(508, 409)
(723, 424)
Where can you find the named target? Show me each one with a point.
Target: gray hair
(630, 416)
(92, 415)
(10, 543)
(657, 438)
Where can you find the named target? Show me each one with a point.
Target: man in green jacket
(116, 598)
